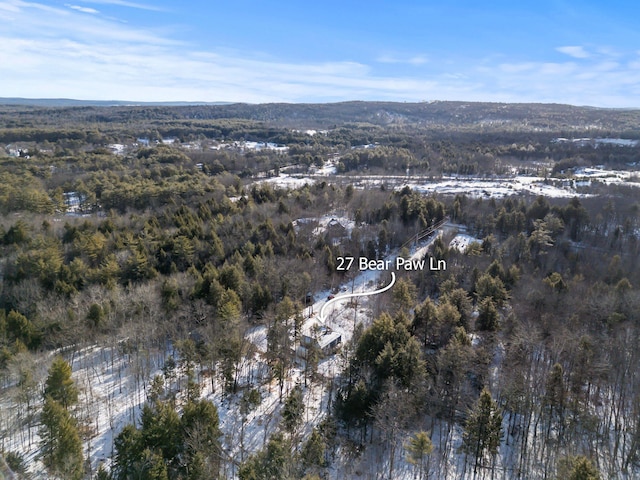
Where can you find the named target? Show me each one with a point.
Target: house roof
(314, 328)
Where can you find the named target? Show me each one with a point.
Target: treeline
(432, 114)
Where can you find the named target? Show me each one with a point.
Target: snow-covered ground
(117, 148)
(594, 142)
(462, 241)
(329, 168)
(114, 382)
(311, 133)
(288, 181)
(497, 187)
(248, 146)
(112, 387)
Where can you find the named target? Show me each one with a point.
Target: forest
(163, 271)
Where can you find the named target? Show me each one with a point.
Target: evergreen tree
(424, 320)
(554, 399)
(487, 316)
(279, 351)
(459, 298)
(354, 404)
(170, 446)
(577, 468)
(555, 391)
(447, 319)
(312, 454)
(201, 432)
(452, 362)
(95, 315)
(153, 467)
(293, 410)
(269, 464)
(59, 384)
(483, 429)
(20, 328)
(407, 363)
(60, 441)
(128, 452)
(488, 286)
(156, 389)
(102, 473)
(556, 282)
(161, 431)
(418, 450)
(404, 295)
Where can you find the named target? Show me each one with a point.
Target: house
(336, 232)
(73, 201)
(315, 333)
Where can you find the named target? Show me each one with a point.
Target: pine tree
(156, 389)
(161, 430)
(200, 427)
(488, 286)
(269, 464)
(577, 468)
(459, 298)
(17, 327)
(102, 473)
(424, 320)
(293, 410)
(153, 467)
(483, 429)
(60, 441)
(487, 316)
(59, 385)
(452, 361)
(418, 450)
(312, 454)
(128, 452)
(404, 295)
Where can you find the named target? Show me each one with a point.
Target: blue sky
(582, 53)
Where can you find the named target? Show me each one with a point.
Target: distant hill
(449, 113)
(475, 116)
(70, 102)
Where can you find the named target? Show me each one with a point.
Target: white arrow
(351, 295)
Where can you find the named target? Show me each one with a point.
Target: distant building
(18, 152)
(336, 232)
(315, 333)
(73, 201)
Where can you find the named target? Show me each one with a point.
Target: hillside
(548, 117)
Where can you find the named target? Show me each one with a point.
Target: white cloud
(512, 68)
(556, 70)
(415, 60)
(124, 3)
(9, 7)
(82, 9)
(574, 51)
(66, 53)
(418, 60)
